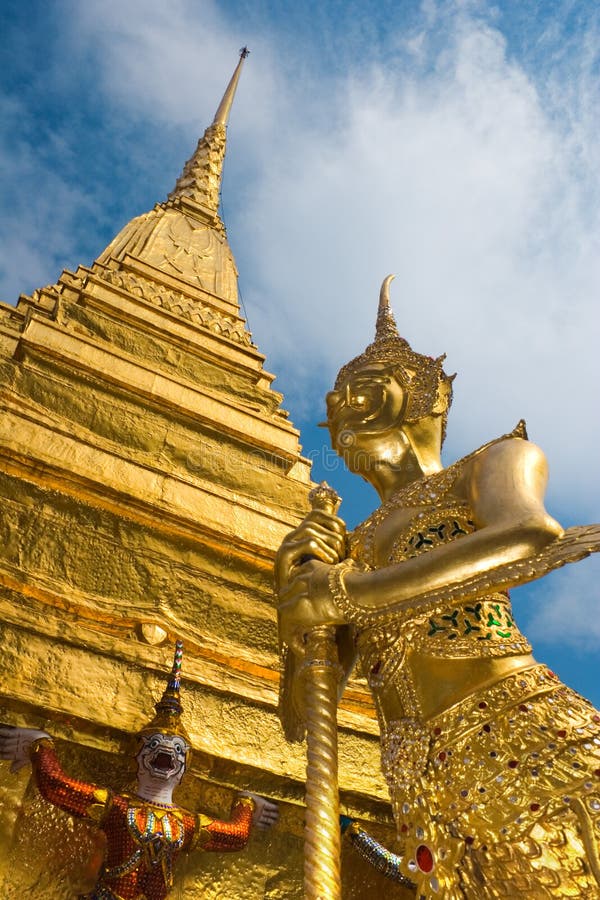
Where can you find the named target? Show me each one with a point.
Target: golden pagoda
(148, 475)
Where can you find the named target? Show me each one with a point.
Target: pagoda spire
(202, 173)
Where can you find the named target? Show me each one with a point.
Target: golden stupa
(148, 475)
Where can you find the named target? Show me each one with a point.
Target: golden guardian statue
(493, 765)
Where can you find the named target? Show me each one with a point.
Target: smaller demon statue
(145, 831)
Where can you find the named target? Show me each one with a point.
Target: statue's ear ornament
(428, 387)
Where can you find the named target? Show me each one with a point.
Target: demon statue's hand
(266, 813)
(15, 744)
(321, 536)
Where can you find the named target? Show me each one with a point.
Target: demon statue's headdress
(428, 388)
(168, 709)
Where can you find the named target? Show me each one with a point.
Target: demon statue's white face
(162, 758)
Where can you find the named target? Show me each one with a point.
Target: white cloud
(566, 611)
(171, 62)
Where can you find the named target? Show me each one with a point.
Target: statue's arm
(382, 859)
(247, 811)
(23, 745)
(505, 487)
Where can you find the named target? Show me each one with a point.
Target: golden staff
(321, 673)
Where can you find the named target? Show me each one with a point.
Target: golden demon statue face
(386, 387)
(363, 412)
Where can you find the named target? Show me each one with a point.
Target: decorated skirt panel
(501, 793)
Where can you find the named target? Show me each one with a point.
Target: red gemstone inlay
(375, 669)
(513, 763)
(597, 773)
(534, 807)
(442, 756)
(483, 705)
(424, 858)
(523, 708)
(595, 718)
(437, 731)
(404, 829)
(469, 840)
(487, 728)
(561, 733)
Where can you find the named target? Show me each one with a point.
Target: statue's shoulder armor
(432, 497)
(519, 431)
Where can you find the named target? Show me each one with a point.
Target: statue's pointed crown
(169, 709)
(428, 388)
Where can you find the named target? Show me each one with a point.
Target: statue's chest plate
(415, 519)
(155, 828)
(429, 528)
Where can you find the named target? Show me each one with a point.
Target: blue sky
(454, 143)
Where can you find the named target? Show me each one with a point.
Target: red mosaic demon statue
(145, 831)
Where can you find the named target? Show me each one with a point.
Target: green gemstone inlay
(463, 621)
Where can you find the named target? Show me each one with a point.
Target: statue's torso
(430, 655)
(143, 843)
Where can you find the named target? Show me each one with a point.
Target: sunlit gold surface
(147, 475)
(493, 766)
(322, 843)
(320, 677)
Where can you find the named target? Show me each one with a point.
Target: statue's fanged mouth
(163, 761)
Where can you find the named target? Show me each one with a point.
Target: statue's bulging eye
(365, 397)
